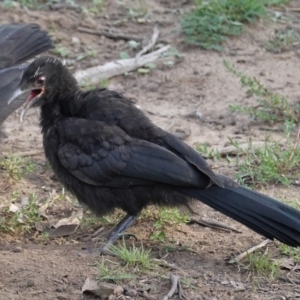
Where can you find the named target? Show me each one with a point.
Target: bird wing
(20, 42)
(195, 158)
(112, 108)
(105, 155)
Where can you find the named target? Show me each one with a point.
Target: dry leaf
(63, 227)
(102, 289)
(287, 263)
(13, 208)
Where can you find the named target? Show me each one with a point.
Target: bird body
(110, 155)
(18, 43)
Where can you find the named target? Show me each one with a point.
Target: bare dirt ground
(34, 269)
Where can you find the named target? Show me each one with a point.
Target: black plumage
(18, 43)
(109, 154)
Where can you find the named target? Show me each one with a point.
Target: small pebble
(30, 283)
(18, 249)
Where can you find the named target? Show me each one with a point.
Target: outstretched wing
(104, 155)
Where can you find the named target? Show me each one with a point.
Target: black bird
(18, 43)
(108, 154)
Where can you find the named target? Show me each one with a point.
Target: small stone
(131, 293)
(18, 249)
(75, 40)
(29, 283)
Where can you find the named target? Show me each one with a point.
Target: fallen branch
(212, 223)
(150, 44)
(244, 254)
(95, 74)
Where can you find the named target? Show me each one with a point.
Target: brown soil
(33, 269)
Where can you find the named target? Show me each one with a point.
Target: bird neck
(65, 105)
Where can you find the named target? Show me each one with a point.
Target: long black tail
(20, 42)
(260, 213)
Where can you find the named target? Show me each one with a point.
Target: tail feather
(261, 213)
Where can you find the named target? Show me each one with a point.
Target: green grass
(164, 217)
(209, 23)
(112, 271)
(132, 261)
(26, 3)
(276, 162)
(22, 220)
(133, 256)
(273, 163)
(262, 266)
(290, 252)
(283, 40)
(207, 152)
(271, 107)
(16, 167)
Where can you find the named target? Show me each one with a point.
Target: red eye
(41, 80)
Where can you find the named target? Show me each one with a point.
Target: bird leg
(125, 223)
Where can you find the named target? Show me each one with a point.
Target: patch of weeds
(93, 7)
(147, 68)
(190, 283)
(208, 152)
(124, 55)
(167, 216)
(83, 56)
(136, 9)
(26, 3)
(209, 23)
(290, 252)
(276, 162)
(283, 40)
(273, 163)
(21, 220)
(134, 260)
(90, 220)
(271, 107)
(133, 44)
(112, 271)
(173, 52)
(44, 237)
(136, 257)
(263, 266)
(61, 51)
(16, 167)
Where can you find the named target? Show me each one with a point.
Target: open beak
(33, 97)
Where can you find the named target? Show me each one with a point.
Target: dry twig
(212, 223)
(150, 44)
(175, 284)
(244, 254)
(94, 75)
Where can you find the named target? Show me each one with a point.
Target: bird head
(44, 78)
